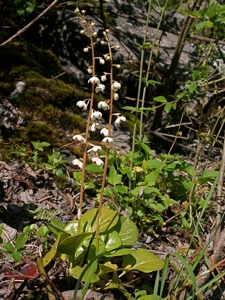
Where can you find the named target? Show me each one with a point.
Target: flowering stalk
(107, 146)
(83, 20)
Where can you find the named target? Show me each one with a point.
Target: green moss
(40, 131)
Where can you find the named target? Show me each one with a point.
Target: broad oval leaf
(109, 218)
(112, 240)
(70, 244)
(143, 260)
(128, 231)
(160, 99)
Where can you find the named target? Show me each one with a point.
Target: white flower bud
(83, 11)
(82, 104)
(92, 128)
(119, 120)
(117, 47)
(101, 61)
(96, 115)
(95, 149)
(79, 138)
(77, 162)
(103, 43)
(77, 10)
(89, 70)
(117, 66)
(103, 78)
(86, 49)
(115, 96)
(82, 31)
(116, 86)
(103, 105)
(97, 161)
(107, 140)
(92, 24)
(94, 80)
(100, 88)
(104, 131)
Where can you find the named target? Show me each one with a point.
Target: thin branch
(30, 24)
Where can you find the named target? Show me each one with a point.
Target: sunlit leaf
(143, 260)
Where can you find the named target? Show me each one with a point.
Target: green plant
(15, 250)
(93, 243)
(108, 266)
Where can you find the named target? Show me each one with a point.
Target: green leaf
(56, 226)
(51, 254)
(168, 107)
(77, 176)
(70, 244)
(109, 219)
(122, 189)
(150, 297)
(152, 82)
(151, 178)
(128, 232)
(94, 168)
(154, 163)
(112, 240)
(8, 247)
(21, 241)
(16, 256)
(192, 87)
(40, 145)
(89, 185)
(161, 99)
(143, 260)
(113, 177)
(76, 273)
(131, 108)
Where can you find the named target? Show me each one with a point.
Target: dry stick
(30, 24)
(219, 196)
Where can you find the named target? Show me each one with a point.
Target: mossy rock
(48, 104)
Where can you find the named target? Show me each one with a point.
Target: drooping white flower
(101, 61)
(95, 115)
(103, 78)
(117, 66)
(77, 10)
(104, 131)
(79, 138)
(100, 88)
(94, 80)
(95, 149)
(120, 119)
(108, 140)
(116, 86)
(97, 161)
(86, 49)
(92, 128)
(103, 105)
(116, 96)
(77, 162)
(82, 104)
(89, 70)
(94, 33)
(82, 31)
